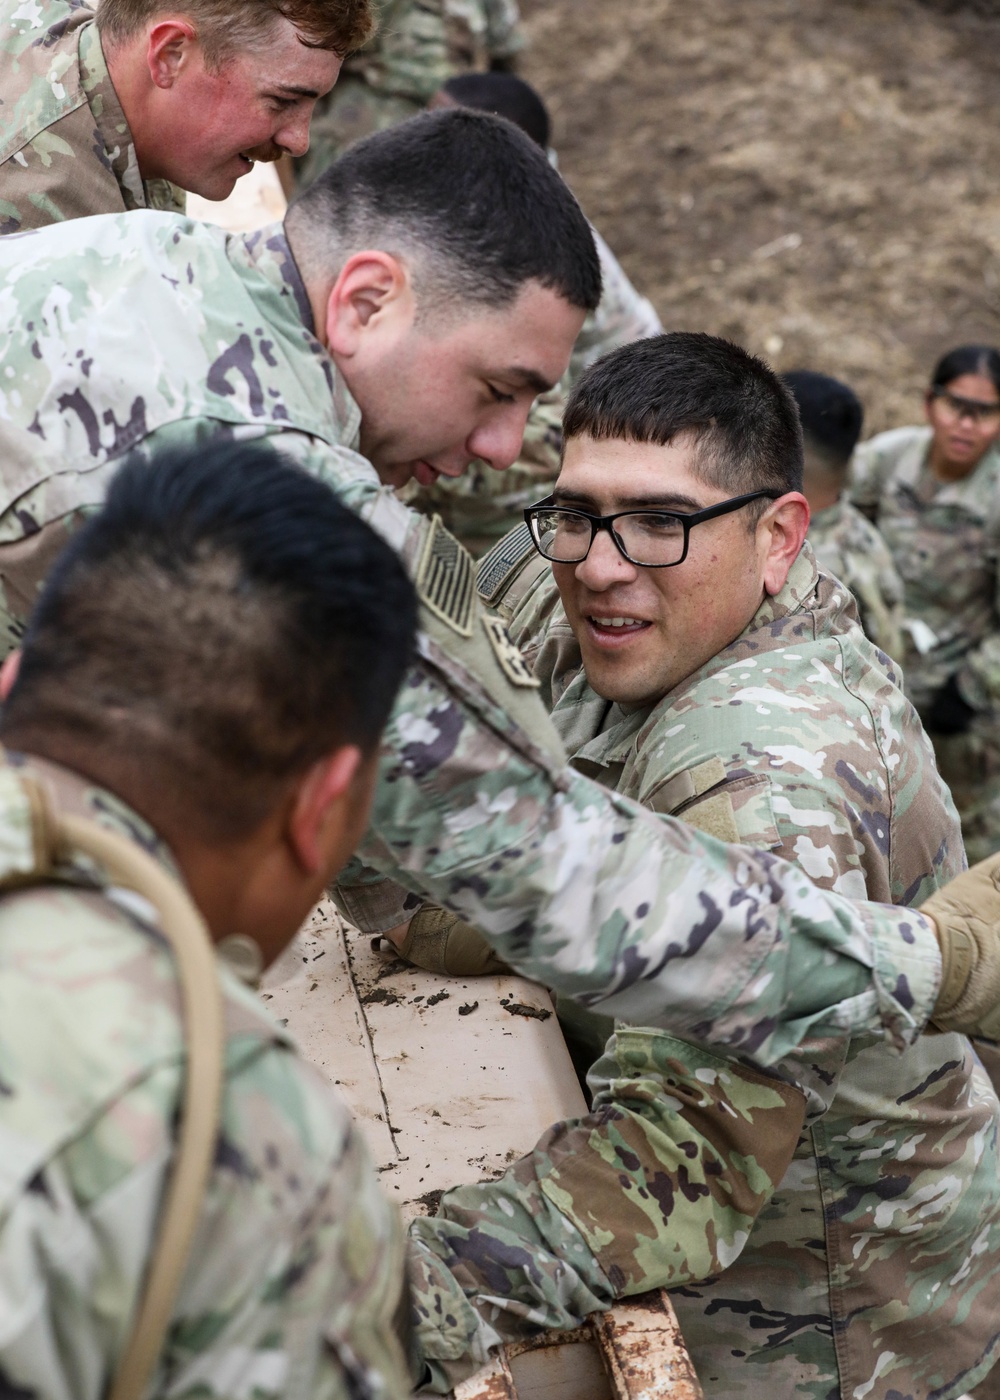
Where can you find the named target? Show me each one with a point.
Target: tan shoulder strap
(202, 1013)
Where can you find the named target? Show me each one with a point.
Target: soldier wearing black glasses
(696, 660)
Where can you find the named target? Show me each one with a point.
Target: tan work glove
(440, 942)
(967, 914)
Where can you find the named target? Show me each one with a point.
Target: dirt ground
(816, 179)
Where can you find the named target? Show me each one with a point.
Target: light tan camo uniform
(475, 806)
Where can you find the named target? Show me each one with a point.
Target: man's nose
(294, 134)
(499, 440)
(604, 565)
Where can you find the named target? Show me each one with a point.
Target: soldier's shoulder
(39, 41)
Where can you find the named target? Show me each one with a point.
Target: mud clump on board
(815, 179)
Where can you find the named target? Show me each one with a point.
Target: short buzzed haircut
(221, 624)
(226, 27)
(831, 416)
(743, 418)
(505, 95)
(466, 199)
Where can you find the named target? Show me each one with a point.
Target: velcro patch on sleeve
(512, 663)
(502, 562)
(446, 579)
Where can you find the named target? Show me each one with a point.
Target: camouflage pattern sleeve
(659, 1185)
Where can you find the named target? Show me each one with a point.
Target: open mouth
(247, 162)
(615, 630)
(425, 474)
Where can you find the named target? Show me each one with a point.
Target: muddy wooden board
(450, 1079)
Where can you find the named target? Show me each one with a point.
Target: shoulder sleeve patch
(503, 561)
(512, 663)
(446, 579)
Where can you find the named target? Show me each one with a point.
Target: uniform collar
(267, 249)
(119, 148)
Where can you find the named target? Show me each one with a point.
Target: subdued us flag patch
(446, 579)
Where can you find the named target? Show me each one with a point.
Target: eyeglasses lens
(652, 539)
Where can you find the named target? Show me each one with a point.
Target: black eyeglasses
(653, 539)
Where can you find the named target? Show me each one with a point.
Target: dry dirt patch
(815, 178)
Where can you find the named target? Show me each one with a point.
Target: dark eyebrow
(296, 91)
(667, 501)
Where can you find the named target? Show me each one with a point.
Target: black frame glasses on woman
(650, 533)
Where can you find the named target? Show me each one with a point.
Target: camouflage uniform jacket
(860, 1258)
(65, 150)
(155, 330)
(297, 1262)
(945, 540)
(848, 546)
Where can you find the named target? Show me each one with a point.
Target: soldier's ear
(169, 47)
(324, 821)
(782, 532)
(373, 290)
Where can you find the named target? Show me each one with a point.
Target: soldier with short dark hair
(846, 544)
(207, 675)
(835, 1223)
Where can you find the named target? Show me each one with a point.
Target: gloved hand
(950, 712)
(967, 914)
(440, 942)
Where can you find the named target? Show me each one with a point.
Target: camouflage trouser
(352, 110)
(970, 765)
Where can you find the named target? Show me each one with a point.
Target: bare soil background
(816, 179)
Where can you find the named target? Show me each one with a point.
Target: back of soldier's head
(741, 415)
(505, 95)
(218, 627)
(466, 199)
(831, 416)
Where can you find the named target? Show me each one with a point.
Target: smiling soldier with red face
(114, 111)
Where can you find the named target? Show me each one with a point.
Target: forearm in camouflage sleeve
(606, 902)
(660, 1185)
